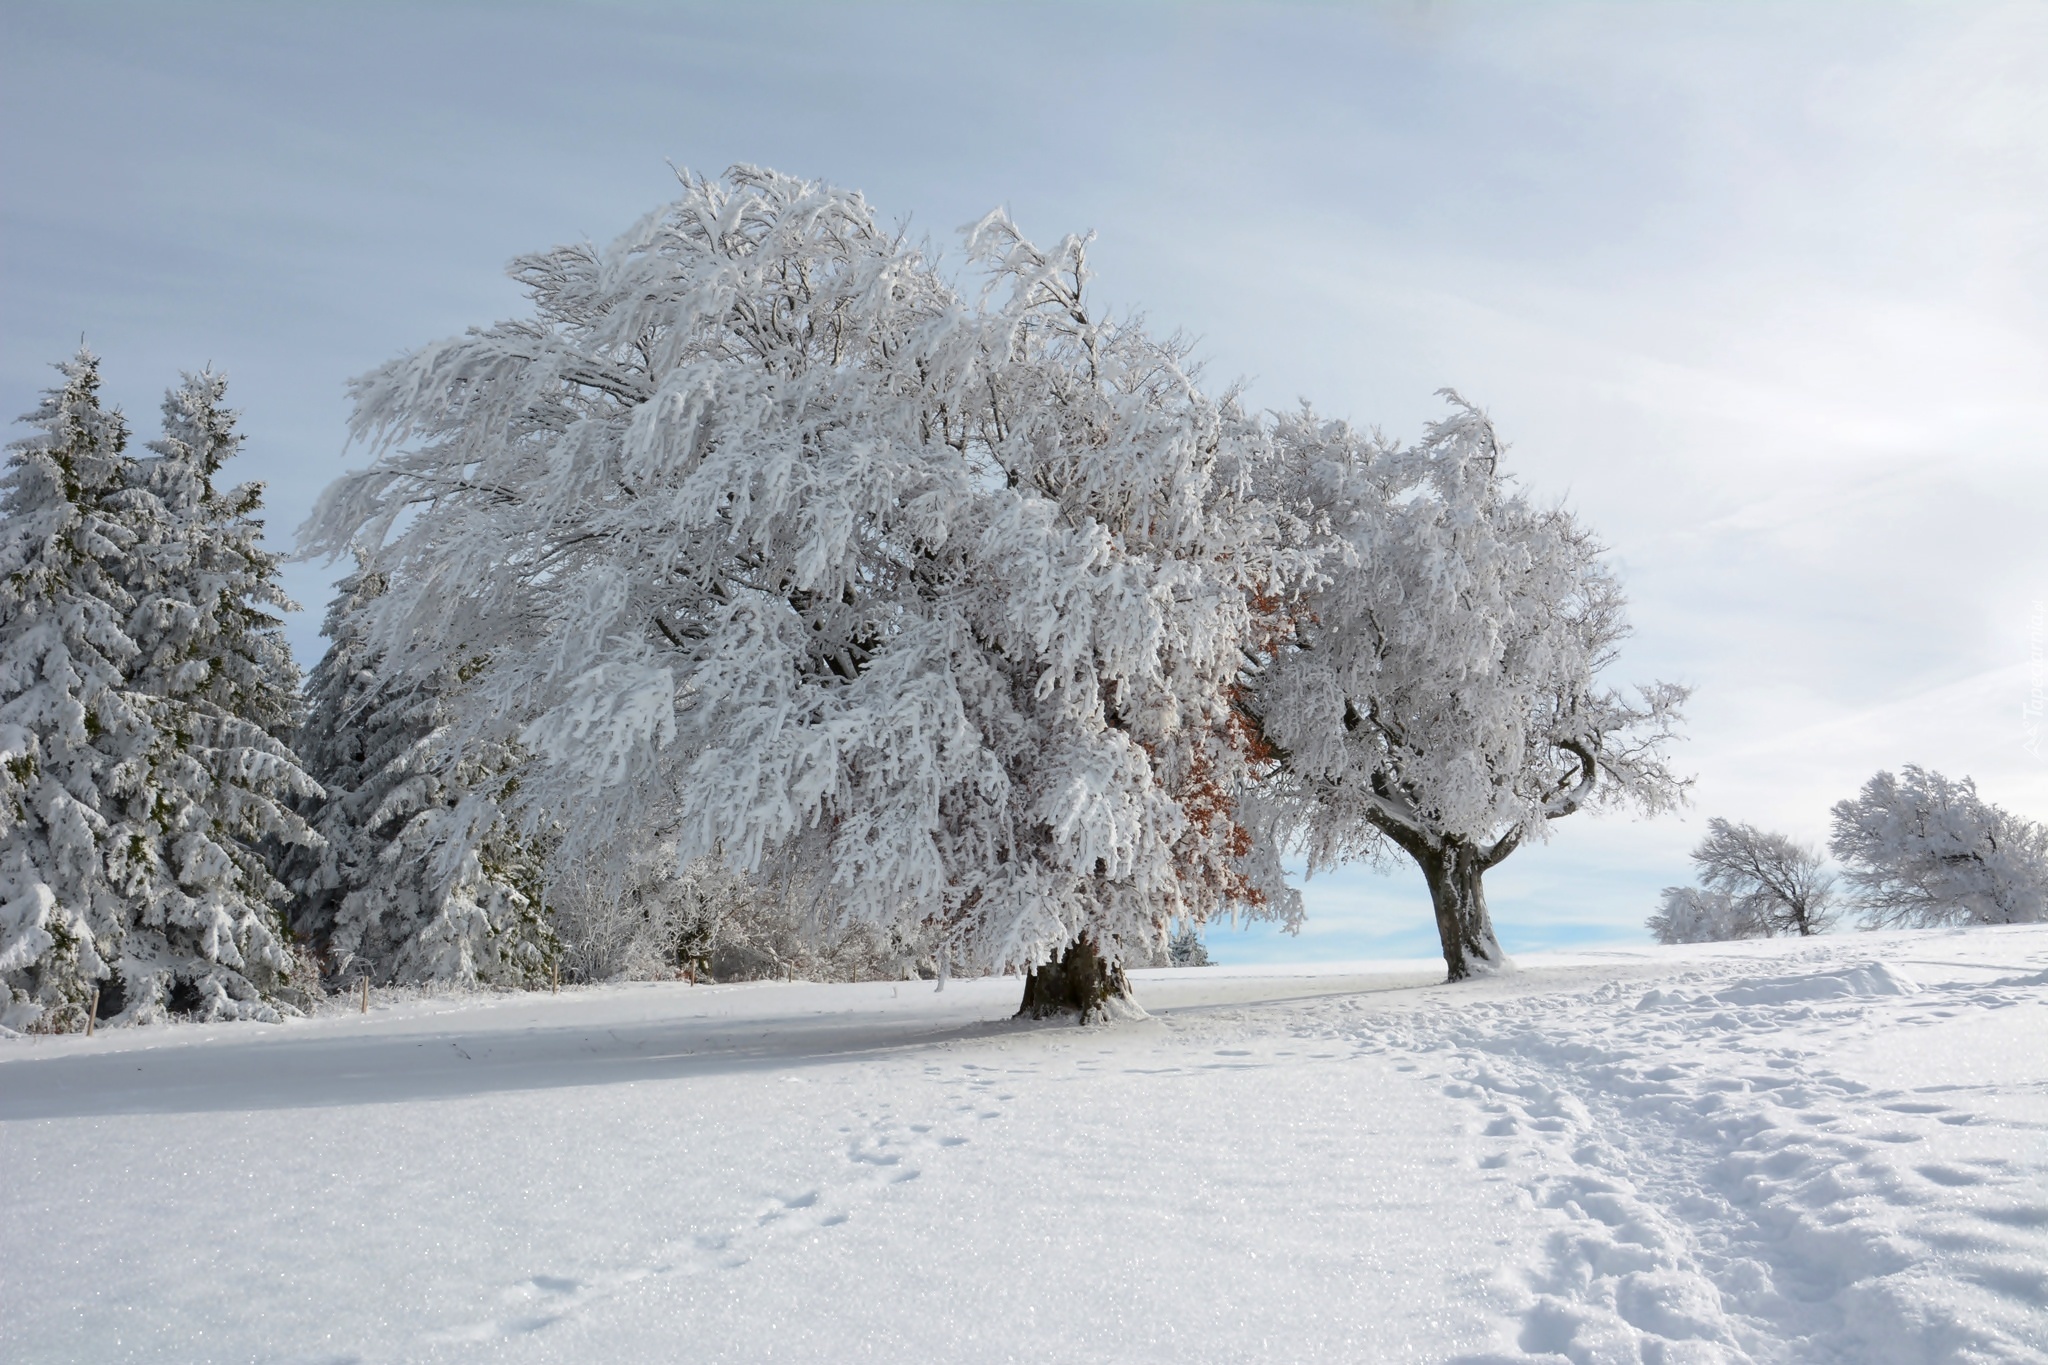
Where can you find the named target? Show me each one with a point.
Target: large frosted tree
(764, 532)
(1442, 690)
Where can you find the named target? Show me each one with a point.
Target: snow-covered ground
(1834, 1150)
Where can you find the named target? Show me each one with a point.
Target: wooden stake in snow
(93, 1012)
(366, 995)
(555, 977)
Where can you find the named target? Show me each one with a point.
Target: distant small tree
(1687, 914)
(1186, 948)
(1772, 882)
(1922, 850)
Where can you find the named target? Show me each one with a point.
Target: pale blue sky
(1762, 289)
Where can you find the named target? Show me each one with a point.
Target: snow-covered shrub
(1441, 691)
(651, 925)
(1687, 914)
(776, 540)
(708, 922)
(1921, 849)
(420, 877)
(770, 930)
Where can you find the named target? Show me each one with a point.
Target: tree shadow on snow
(424, 1063)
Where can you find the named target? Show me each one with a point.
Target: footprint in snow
(793, 1204)
(1949, 1175)
(537, 1303)
(875, 1160)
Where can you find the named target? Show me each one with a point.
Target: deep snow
(1831, 1150)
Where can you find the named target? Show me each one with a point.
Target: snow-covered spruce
(763, 529)
(137, 790)
(420, 877)
(1441, 692)
(223, 695)
(1922, 850)
(71, 735)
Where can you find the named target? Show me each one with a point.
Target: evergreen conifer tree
(222, 691)
(72, 737)
(420, 877)
(207, 586)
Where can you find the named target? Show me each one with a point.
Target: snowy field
(1779, 1151)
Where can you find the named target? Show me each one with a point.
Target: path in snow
(1817, 1156)
(1835, 1151)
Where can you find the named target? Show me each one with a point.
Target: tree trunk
(1455, 871)
(1079, 981)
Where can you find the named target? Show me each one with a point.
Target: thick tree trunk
(1455, 871)
(1079, 981)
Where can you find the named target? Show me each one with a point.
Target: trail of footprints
(1703, 1216)
(1771, 1214)
(880, 1151)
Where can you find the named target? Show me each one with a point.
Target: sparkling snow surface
(1834, 1150)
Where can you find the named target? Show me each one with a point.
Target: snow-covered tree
(144, 690)
(1687, 914)
(766, 529)
(1441, 691)
(1921, 849)
(222, 694)
(420, 877)
(207, 591)
(1775, 882)
(71, 735)
(1186, 948)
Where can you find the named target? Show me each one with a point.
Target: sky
(1760, 291)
